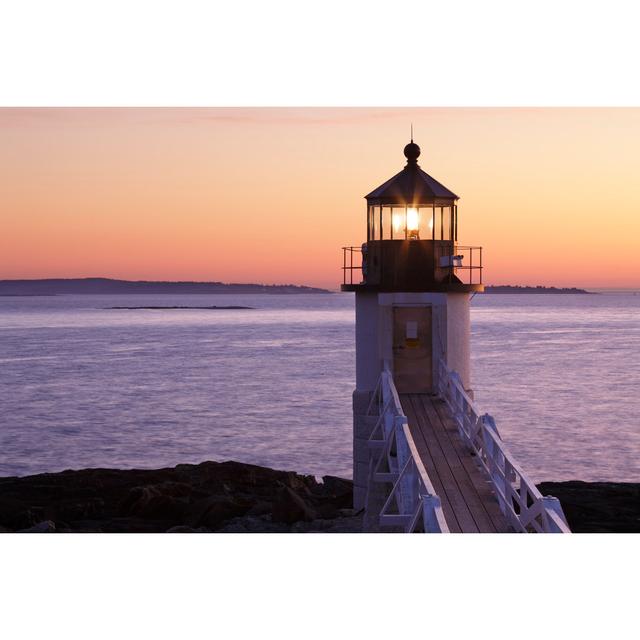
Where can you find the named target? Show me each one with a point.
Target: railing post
(489, 422)
(344, 265)
(408, 496)
(550, 503)
(431, 508)
(351, 264)
(458, 402)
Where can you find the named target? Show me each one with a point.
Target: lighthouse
(412, 283)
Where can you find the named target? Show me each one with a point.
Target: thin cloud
(320, 116)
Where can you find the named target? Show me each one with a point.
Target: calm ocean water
(84, 386)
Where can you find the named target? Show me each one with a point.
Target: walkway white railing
(526, 509)
(412, 503)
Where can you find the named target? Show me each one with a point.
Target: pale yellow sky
(270, 195)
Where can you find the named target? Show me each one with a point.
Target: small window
(412, 330)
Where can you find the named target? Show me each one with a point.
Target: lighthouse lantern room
(413, 283)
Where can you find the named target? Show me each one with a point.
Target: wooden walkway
(468, 502)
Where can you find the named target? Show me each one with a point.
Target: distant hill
(61, 286)
(511, 288)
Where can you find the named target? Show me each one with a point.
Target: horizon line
(289, 284)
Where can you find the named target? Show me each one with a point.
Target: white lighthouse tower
(412, 284)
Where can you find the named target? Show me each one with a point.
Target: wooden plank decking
(468, 501)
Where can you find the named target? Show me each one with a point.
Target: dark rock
(21, 518)
(211, 496)
(212, 512)
(598, 507)
(335, 525)
(327, 511)
(70, 509)
(339, 488)
(184, 529)
(42, 527)
(253, 524)
(164, 500)
(260, 508)
(289, 507)
(11, 511)
(137, 500)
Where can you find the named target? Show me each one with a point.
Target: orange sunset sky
(270, 195)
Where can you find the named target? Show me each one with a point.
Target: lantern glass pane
(398, 223)
(375, 223)
(387, 223)
(425, 223)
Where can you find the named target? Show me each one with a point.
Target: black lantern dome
(412, 186)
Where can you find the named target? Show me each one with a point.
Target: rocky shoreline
(232, 497)
(598, 507)
(225, 497)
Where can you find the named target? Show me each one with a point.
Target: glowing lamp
(413, 223)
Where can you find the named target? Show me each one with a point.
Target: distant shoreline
(93, 286)
(109, 286)
(511, 288)
(180, 307)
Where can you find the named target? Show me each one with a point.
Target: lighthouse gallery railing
(412, 504)
(465, 263)
(526, 509)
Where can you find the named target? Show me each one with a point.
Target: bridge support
(363, 425)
